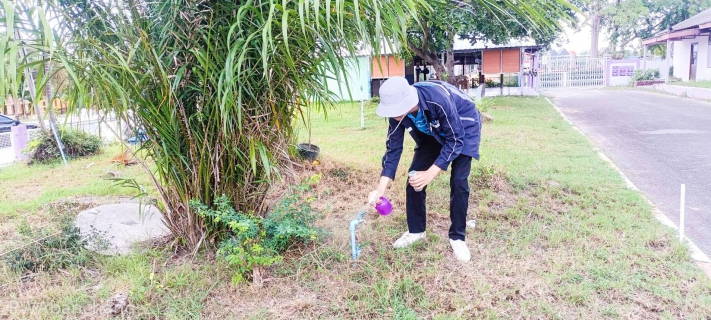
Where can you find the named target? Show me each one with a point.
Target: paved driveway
(7, 156)
(658, 141)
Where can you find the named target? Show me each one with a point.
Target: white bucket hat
(397, 97)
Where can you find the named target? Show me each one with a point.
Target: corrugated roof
(460, 44)
(700, 18)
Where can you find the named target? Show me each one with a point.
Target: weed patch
(48, 250)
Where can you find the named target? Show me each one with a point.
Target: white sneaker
(407, 239)
(460, 250)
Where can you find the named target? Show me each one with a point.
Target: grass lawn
(25, 189)
(698, 84)
(558, 235)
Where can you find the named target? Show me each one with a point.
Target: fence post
(565, 79)
(501, 84)
(668, 53)
(18, 139)
(681, 212)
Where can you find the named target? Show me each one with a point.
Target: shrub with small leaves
(490, 83)
(251, 241)
(484, 176)
(642, 75)
(291, 221)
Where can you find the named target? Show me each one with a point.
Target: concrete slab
(684, 91)
(120, 226)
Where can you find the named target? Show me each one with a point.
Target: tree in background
(627, 20)
(434, 32)
(637, 19)
(595, 12)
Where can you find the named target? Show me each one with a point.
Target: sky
(578, 40)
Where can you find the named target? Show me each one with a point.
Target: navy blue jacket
(454, 121)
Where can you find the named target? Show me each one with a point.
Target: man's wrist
(383, 185)
(434, 170)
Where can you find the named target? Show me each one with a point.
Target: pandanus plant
(215, 85)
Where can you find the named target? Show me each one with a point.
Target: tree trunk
(444, 71)
(30, 80)
(594, 34)
(440, 70)
(19, 105)
(430, 58)
(615, 38)
(449, 65)
(48, 96)
(257, 280)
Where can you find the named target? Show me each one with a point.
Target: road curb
(701, 259)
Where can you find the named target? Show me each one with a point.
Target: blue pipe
(355, 249)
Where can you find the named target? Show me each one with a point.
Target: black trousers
(425, 156)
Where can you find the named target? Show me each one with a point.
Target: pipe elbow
(353, 225)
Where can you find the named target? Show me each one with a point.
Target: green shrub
(251, 241)
(511, 81)
(76, 143)
(649, 74)
(490, 83)
(374, 101)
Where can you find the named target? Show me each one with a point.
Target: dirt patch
(323, 276)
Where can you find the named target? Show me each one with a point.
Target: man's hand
(423, 178)
(374, 196)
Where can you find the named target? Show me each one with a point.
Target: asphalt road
(659, 141)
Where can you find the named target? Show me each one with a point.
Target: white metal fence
(571, 72)
(5, 141)
(104, 126)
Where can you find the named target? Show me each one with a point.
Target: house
(365, 72)
(689, 43)
(385, 66)
(356, 78)
(492, 59)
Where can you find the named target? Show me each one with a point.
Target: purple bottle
(384, 207)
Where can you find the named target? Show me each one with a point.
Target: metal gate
(570, 71)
